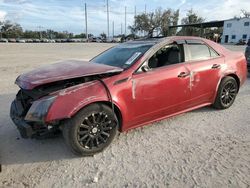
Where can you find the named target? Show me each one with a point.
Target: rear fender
(236, 68)
(228, 73)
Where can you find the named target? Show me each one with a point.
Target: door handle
(183, 75)
(216, 66)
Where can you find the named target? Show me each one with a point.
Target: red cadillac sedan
(127, 86)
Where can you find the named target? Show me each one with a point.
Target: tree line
(9, 29)
(154, 23)
(158, 23)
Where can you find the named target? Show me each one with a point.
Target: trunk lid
(62, 71)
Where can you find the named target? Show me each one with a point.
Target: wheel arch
(117, 112)
(224, 76)
(235, 77)
(109, 104)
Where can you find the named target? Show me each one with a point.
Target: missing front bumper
(28, 129)
(24, 128)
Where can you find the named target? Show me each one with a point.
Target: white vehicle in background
(109, 39)
(45, 40)
(58, 40)
(84, 40)
(3, 40)
(74, 40)
(12, 40)
(117, 39)
(36, 40)
(20, 41)
(29, 40)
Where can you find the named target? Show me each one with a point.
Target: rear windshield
(123, 55)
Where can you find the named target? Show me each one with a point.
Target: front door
(163, 90)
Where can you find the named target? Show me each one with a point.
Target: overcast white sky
(68, 15)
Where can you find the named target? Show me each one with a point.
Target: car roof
(157, 40)
(152, 41)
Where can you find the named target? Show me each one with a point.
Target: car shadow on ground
(16, 150)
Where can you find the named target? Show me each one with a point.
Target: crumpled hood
(62, 71)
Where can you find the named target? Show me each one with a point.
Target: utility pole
(1, 30)
(108, 17)
(40, 31)
(135, 18)
(113, 29)
(125, 20)
(121, 28)
(86, 23)
(145, 13)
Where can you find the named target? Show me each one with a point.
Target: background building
(236, 29)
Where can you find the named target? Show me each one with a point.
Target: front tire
(91, 130)
(226, 93)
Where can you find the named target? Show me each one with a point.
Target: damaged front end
(39, 89)
(28, 115)
(30, 107)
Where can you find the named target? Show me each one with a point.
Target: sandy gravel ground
(203, 148)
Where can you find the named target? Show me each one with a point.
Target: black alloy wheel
(95, 130)
(229, 92)
(226, 94)
(91, 130)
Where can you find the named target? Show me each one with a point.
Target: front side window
(168, 55)
(201, 52)
(123, 55)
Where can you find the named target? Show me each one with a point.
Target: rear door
(205, 65)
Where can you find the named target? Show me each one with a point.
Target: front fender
(71, 100)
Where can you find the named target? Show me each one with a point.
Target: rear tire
(91, 130)
(226, 93)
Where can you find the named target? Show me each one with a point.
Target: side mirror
(145, 68)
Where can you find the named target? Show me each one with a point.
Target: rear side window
(198, 52)
(201, 52)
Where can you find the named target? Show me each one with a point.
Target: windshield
(123, 55)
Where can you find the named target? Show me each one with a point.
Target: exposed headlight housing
(39, 109)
